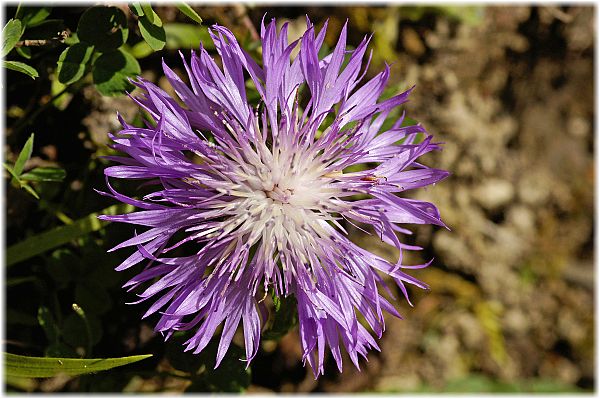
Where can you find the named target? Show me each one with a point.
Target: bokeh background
(508, 89)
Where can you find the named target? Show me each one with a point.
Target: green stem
(88, 329)
(60, 235)
(55, 211)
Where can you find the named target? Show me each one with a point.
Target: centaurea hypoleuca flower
(263, 192)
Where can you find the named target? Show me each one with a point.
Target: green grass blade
(30, 190)
(40, 243)
(12, 172)
(24, 155)
(44, 174)
(43, 367)
(189, 11)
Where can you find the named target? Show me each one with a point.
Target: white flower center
(283, 196)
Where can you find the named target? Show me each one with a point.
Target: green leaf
(136, 9)
(408, 122)
(276, 302)
(60, 101)
(323, 51)
(12, 172)
(24, 52)
(44, 174)
(48, 324)
(24, 155)
(103, 27)
(10, 36)
(30, 190)
(111, 71)
(73, 61)
(21, 67)
(16, 180)
(180, 36)
(153, 32)
(58, 236)
(43, 367)
(149, 12)
(32, 16)
(251, 93)
(141, 50)
(189, 11)
(284, 319)
(72, 39)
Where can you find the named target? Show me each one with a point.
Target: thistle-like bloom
(263, 193)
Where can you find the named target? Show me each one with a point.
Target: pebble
(534, 188)
(578, 127)
(494, 193)
(521, 217)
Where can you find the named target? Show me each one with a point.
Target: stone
(494, 193)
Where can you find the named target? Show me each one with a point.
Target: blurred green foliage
(39, 174)
(482, 384)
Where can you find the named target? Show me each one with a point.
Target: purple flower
(263, 193)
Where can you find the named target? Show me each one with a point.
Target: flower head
(264, 193)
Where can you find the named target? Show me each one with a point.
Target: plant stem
(62, 36)
(88, 329)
